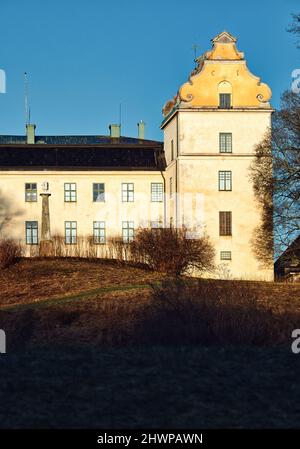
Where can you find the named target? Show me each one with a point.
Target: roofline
(120, 145)
(134, 139)
(78, 168)
(175, 111)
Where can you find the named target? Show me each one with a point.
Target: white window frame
(127, 191)
(70, 232)
(99, 232)
(127, 231)
(70, 192)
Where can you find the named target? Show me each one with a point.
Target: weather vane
(195, 47)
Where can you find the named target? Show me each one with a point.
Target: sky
(85, 58)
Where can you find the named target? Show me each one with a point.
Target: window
(99, 232)
(225, 223)
(70, 193)
(225, 142)
(157, 192)
(225, 101)
(98, 192)
(127, 192)
(225, 180)
(30, 192)
(127, 231)
(225, 255)
(172, 150)
(31, 232)
(156, 224)
(171, 187)
(70, 232)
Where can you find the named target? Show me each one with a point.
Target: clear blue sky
(85, 57)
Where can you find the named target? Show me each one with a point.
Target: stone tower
(211, 128)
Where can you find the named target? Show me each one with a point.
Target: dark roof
(75, 140)
(139, 156)
(289, 260)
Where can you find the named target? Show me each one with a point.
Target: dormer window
(224, 101)
(225, 94)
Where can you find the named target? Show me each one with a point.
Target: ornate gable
(223, 63)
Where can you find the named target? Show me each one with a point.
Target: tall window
(70, 192)
(225, 255)
(98, 192)
(157, 192)
(99, 232)
(225, 223)
(171, 186)
(70, 232)
(127, 192)
(225, 180)
(31, 232)
(225, 101)
(225, 142)
(172, 150)
(30, 191)
(127, 231)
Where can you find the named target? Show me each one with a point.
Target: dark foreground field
(88, 347)
(151, 387)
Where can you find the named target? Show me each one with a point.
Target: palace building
(108, 186)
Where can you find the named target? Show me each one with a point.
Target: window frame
(227, 147)
(223, 255)
(69, 191)
(98, 194)
(71, 242)
(33, 239)
(171, 186)
(172, 150)
(225, 180)
(127, 226)
(97, 238)
(156, 224)
(31, 192)
(223, 103)
(158, 194)
(225, 223)
(126, 193)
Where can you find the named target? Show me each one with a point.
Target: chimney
(141, 130)
(30, 133)
(115, 131)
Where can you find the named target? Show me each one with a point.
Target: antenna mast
(27, 106)
(120, 114)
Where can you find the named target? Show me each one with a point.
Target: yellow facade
(196, 126)
(84, 211)
(194, 122)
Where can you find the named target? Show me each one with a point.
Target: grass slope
(62, 371)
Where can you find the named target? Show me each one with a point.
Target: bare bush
(169, 250)
(206, 312)
(10, 252)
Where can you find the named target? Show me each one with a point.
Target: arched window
(225, 95)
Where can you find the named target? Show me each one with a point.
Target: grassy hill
(87, 348)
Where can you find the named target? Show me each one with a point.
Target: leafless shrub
(10, 252)
(85, 247)
(168, 250)
(203, 312)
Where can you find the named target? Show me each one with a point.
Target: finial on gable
(224, 38)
